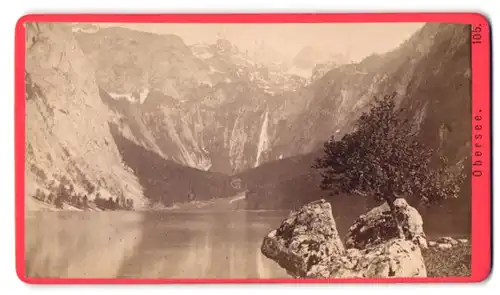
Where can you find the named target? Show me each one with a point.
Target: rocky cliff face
(66, 122)
(213, 107)
(131, 63)
(431, 68)
(430, 74)
(210, 107)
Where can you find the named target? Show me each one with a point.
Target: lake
(167, 244)
(161, 244)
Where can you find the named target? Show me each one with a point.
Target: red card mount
(480, 237)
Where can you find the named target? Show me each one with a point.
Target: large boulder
(307, 245)
(378, 226)
(395, 258)
(306, 238)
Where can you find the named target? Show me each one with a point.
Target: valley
(154, 119)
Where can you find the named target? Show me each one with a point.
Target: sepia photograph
(247, 150)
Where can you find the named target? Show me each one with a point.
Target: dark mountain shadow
(290, 183)
(167, 182)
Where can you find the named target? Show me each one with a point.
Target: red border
(481, 186)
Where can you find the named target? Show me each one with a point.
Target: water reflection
(150, 244)
(169, 244)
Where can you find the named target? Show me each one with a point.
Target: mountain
(227, 64)
(72, 135)
(213, 108)
(268, 55)
(177, 122)
(226, 119)
(66, 122)
(227, 113)
(430, 73)
(310, 60)
(165, 182)
(131, 63)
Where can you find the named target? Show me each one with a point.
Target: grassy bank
(454, 262)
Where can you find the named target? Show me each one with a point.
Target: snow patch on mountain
(304, 73)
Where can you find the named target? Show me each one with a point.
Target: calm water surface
(168, 244)
(150, 244)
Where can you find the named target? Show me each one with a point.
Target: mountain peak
(310, 56)
(224, 46)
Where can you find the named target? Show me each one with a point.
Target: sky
(358, 40)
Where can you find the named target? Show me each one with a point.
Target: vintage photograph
(248, 151)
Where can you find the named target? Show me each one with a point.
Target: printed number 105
(476, 35)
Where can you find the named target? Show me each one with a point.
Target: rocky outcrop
(378, 226)
(128, 61)
(307, 245)
(206, 106)
(430, 73)
(67, 135)
(208, 103)
(304, 239)
(395, 258)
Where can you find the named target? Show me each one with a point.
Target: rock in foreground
(307, 245)
(396, 258)
(378, 226)
(307, 237)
